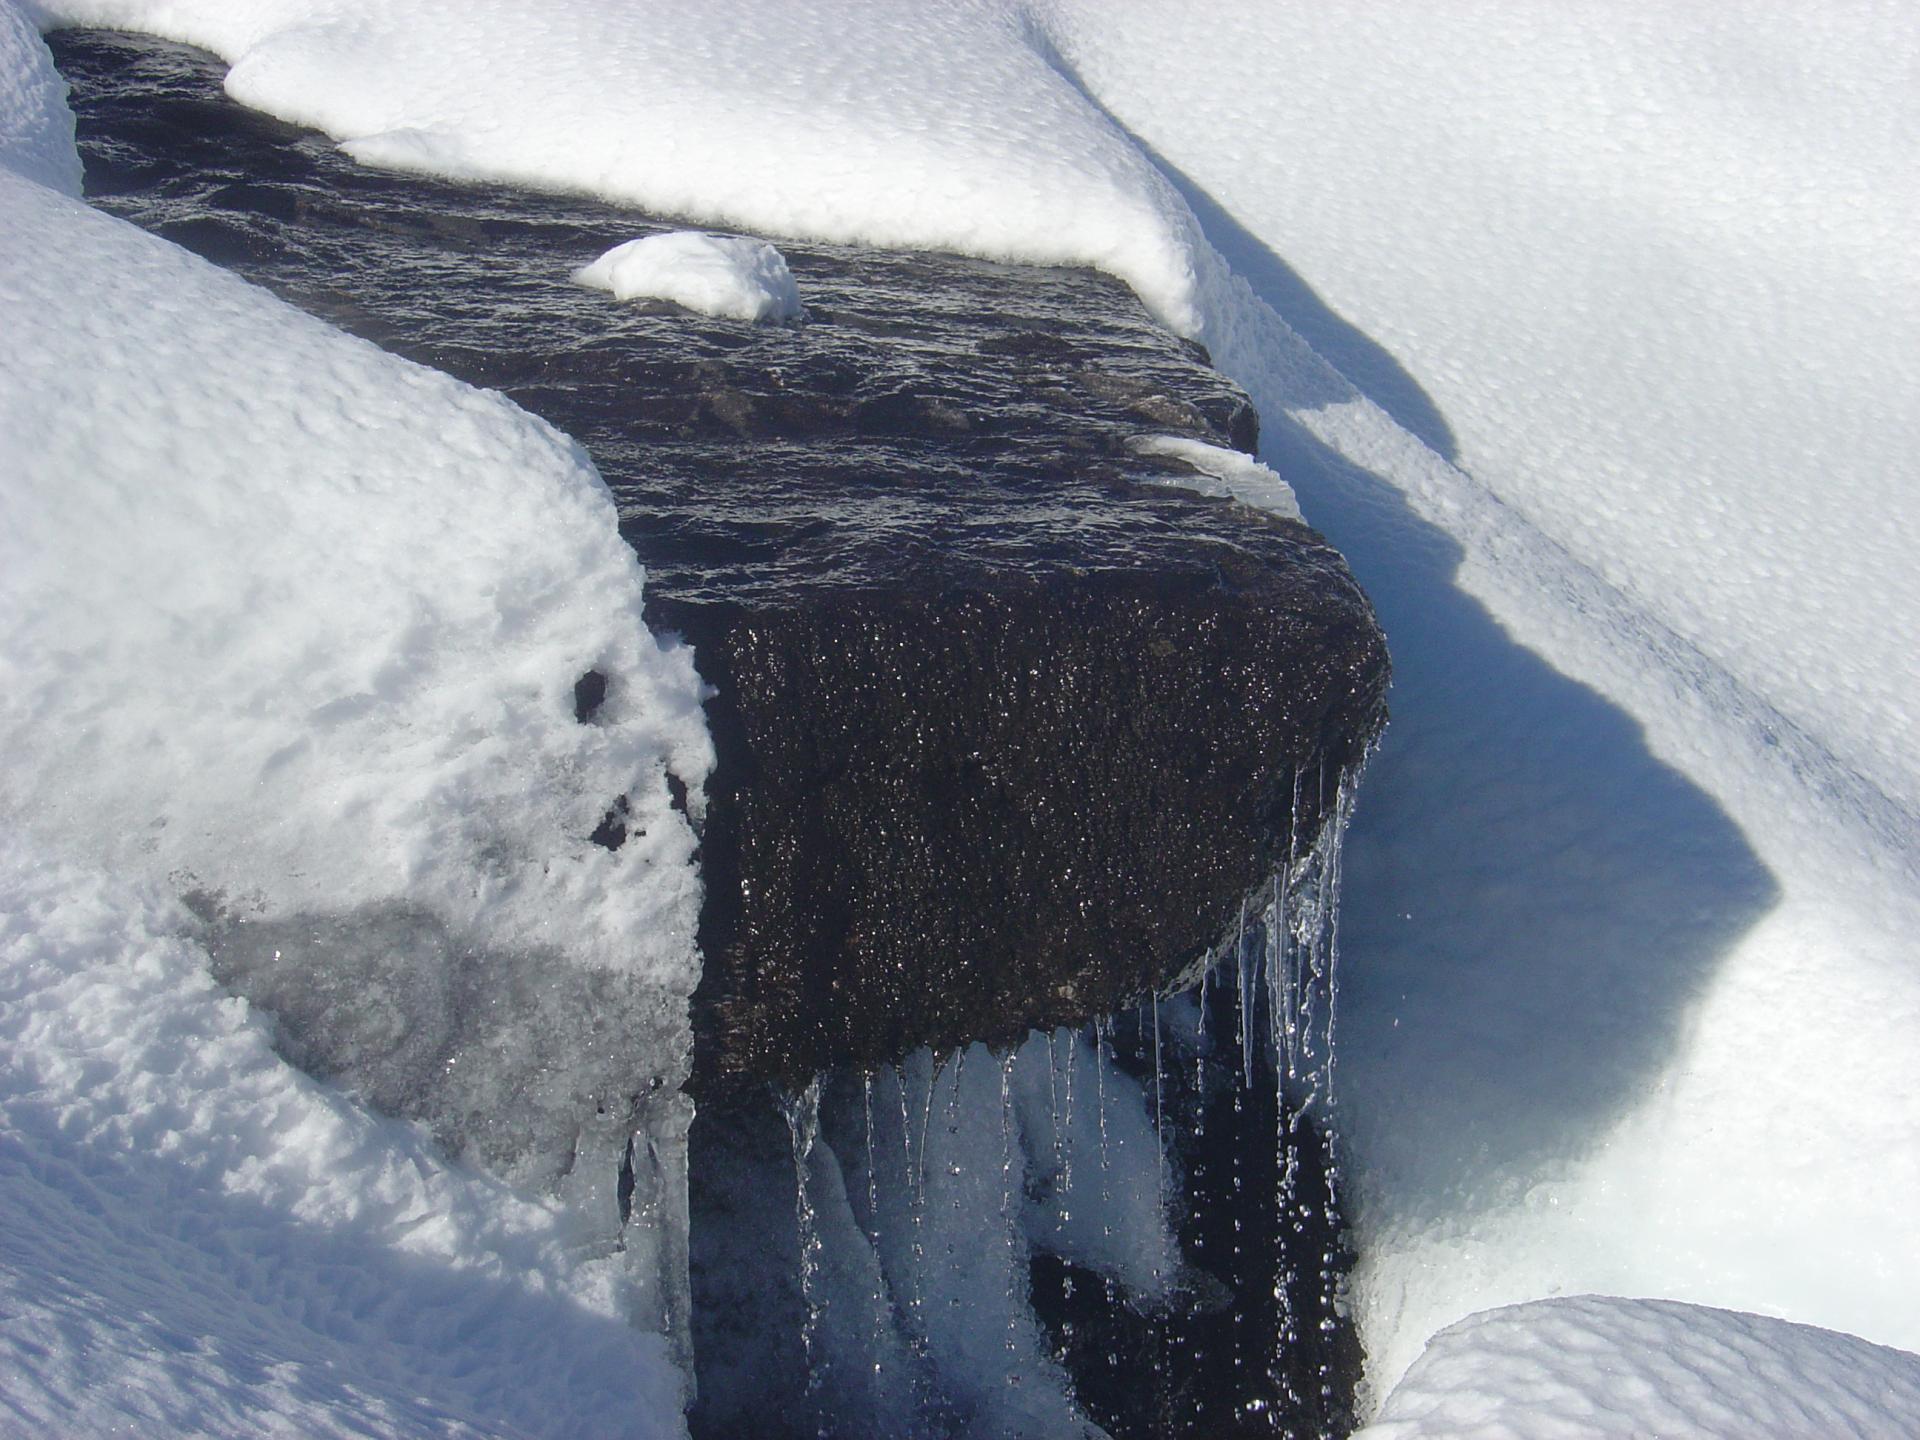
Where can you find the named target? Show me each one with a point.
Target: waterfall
(998, 1244)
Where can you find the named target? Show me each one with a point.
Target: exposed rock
(1007, 726)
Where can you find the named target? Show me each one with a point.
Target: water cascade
(1014, 1251)
(1005, 725)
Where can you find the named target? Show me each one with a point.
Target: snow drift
(290, 635)
(1590, 1366)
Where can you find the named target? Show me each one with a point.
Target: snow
(1590, 335)
(1217, 470)
(299, 625)
(197, 1239)
(1626, 332)
(730, 276)
(289, 636)
(1590, 1366)
(859, 120)
(36, 128)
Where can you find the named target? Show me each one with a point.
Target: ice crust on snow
(1590, 1366)
(731, 276)
(195, 1238)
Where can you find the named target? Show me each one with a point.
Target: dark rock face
(1007, 726)
(971, 812)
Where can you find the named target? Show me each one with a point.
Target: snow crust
(197, 1239)
(1591, 1366)
(730, 276)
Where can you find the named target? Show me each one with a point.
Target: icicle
(1053, 1104)
(1100, 1100)
(1016, 1297)
(876, 1347)
(1242, 955)
(916, 1195)
(1159, 1114)
(1066, 1175)
(802, 1112)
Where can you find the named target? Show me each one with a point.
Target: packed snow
(730, 276)
(1591, 1366)
(1590, 335)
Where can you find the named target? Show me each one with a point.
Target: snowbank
(725, 275)
(299, 625)
(1627, 330)
(290, 634)
(36, 128)
(938, 127)
(1593, 1366)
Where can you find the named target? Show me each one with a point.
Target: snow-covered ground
(289, 638)
(1590, 334)
(1591, 1366)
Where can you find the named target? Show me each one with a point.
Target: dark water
(930, 411)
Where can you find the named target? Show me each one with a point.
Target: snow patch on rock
(1217, 470)
(729, 276)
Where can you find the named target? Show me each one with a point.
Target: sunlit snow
(1594, 1366)
(729, 276)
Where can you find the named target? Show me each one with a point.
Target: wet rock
(1007, 726)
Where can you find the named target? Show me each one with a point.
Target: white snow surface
(36, 128)
(289, 634)
(196, 1239)
(1590, 335)
(1590, 1366)
(731, 276)
(934, 125)
(299, 624)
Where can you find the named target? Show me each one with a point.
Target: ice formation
(1219, 471)
(730, 276)
(197, 1239)
(1591, 1366)
(1589, 336)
